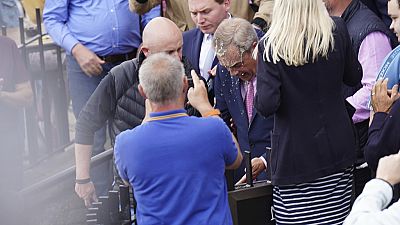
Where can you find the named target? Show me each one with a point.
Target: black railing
(113, 209)
(47, 121)
(39, 197)
(67, 173)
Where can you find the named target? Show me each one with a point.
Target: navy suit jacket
(192, 40)
(383, 136)
(254, 136)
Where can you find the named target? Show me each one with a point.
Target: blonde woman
(303, 61)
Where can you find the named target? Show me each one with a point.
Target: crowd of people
(309, 87)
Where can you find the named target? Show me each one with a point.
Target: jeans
(8, 13)
(81, 88)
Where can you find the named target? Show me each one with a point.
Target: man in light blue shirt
(96, 35)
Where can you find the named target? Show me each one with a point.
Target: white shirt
(369, 207)
(207, 55)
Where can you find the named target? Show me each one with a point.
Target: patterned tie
(250, 99)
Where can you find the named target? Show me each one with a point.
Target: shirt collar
(167, 113)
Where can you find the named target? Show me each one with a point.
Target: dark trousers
(361, 175)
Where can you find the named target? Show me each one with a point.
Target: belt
(119, 57)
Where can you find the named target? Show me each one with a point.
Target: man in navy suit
(197, 43)
(383, 134)
(235, 82)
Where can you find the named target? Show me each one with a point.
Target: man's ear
(141, 91)
(254, 51)
(146, 51)
(227, 4)
(254, 45)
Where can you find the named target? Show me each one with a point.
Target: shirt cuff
(264, 161)
(68, 43)
(381, 189)
(362, 113)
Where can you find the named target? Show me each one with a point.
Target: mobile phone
(190, 82)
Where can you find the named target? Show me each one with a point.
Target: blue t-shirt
(176, 165)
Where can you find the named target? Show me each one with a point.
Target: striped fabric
(323, 201)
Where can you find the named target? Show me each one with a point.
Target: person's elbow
(237, 163)
(29, 98)
(356, 77)
(266, 109)
(26, 94)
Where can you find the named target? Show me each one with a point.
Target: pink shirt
(372, 52)
(244, 87)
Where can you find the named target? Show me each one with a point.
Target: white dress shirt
(207, 55)
(370, 207)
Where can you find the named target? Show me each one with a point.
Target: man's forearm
(83, 155)
(239, 157)
(369, 206)
(23, 96)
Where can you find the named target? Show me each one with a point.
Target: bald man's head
(162, 35)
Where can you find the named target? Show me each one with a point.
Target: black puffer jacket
(116, 99)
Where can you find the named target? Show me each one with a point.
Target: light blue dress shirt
(106, 27)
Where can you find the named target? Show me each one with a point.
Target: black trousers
(361, 175)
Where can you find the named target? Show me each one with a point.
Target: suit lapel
(215, 62)
(198, 39)
(238, 97)
(253, 117)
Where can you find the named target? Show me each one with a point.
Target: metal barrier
(113, 209)
(45, 202)
(50, 97)
(70, 172)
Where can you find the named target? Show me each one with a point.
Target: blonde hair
(300, 30)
